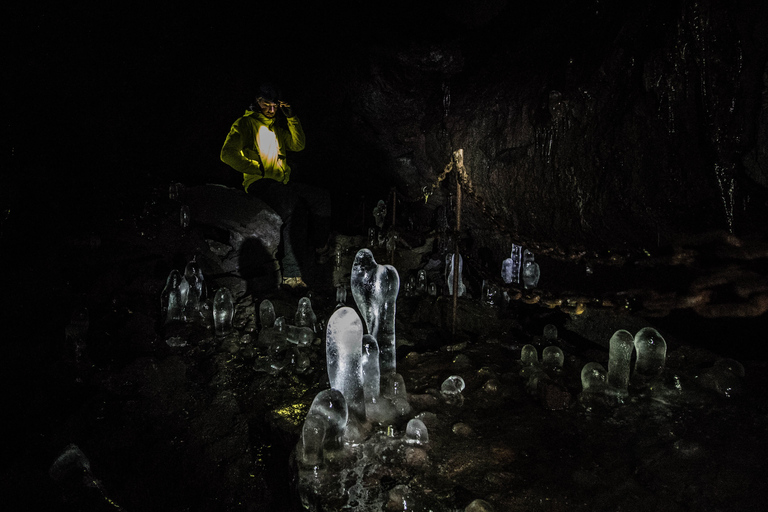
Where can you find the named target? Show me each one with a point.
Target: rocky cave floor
(125, 421)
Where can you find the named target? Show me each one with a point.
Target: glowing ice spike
(550, 332)
(305, 316)
(223, 311)
(371, 369)
(416, 432)
(344, 354)
(651, 352)
(266, 314)
(619, 357)
(332, 407)
(375, 288)
(593, 378)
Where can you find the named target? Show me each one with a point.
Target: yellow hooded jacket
(257, 147)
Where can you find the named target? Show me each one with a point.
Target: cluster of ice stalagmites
(637, 364)
(366, 412)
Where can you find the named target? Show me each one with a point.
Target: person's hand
(286, 108)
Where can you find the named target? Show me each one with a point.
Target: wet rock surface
(212, 423)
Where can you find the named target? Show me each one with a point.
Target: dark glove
(286, 108)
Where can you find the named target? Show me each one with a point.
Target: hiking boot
(294, 283)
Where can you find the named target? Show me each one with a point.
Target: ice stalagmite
(371, 369)
(344, 354)
(619, 357)
(223, 311)
(552, 357)
(593, 377)
(266, 314)
(174, 296)
(375, 288)
(194, 276)
(651, 352)
(449, 274)
(305, 316)
(330, 405)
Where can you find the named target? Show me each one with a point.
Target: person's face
(268, 108)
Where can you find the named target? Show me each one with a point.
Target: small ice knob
(593, 378)
(416, 432)
(453, 385)
(529, 355)
(223, 311)
(552, 357)
(550, 332)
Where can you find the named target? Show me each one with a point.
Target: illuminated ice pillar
(375, 288)
(344, 357)
(619, 357)
(651, 352)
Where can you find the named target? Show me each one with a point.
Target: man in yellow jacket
(256, 146)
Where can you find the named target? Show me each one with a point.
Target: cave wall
(589, 128)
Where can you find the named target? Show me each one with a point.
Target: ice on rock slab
(416, 432)
(305, 316)
(550, 332)
(619, 359)
(331, 406)
(651, 350)
(344, 355)
(266, 313)
(449, 274)
(375, 288)
(453, 385)
(529, 355)
(174, 296)
(371, 369)
(223, 311)
(593, 378)
(552, 357)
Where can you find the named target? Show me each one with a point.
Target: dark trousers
(306, 214)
